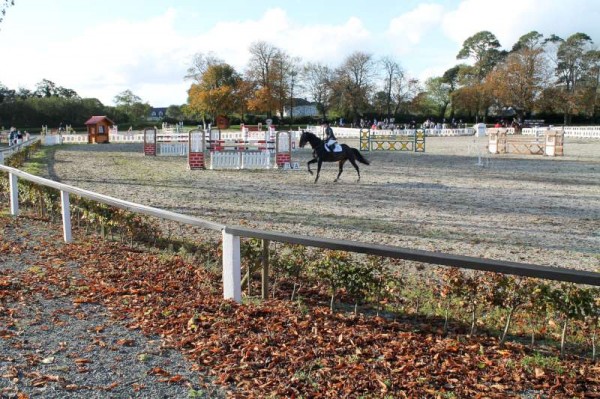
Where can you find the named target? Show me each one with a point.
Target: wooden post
(265, 269)
(14, 194)
(66, 216)
(232, 288)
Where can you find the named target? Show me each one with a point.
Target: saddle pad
(337, 148)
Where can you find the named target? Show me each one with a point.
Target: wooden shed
(98, 128)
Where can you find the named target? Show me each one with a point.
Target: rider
(330, 140)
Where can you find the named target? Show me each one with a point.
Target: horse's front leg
(308, 165)
(319, 163)
(341, 169)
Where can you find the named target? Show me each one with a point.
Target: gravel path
(453, 198)
(53, 346)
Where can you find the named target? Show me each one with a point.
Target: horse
(321, 155)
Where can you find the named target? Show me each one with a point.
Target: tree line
(539, 77)
(54, 106)
(549, 76)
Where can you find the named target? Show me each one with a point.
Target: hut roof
(96, 119)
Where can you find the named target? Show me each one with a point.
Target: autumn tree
(215, 93)
(200, 63)
(483, 48)
(244, 94)
(519, 81)
(285, 71)
(473, 97)
(354, 81)
(261, 70)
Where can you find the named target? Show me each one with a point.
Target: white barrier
(579, 132)
(54, 139)
(173, 149)
(587, 132)
(240, 160)
(346, 132)
(73, 138)
(126, 137)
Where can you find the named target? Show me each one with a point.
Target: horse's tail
(359, 157)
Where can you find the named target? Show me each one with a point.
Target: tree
(393, 75)
(284, 70)
(174, 112)
(592, 83)
(438, 92)
(317, 79)
(6, 94)
(519, 81)
(4, 4)
(131, 105)
(214, 94)
(244, 93)
(571, 70)
(200, 63)
(452, 78)
(260, 69)
(353, 83)
(483, 48)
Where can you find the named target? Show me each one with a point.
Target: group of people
(15, 136)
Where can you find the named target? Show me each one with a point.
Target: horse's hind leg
(353, 162)
(341, 169)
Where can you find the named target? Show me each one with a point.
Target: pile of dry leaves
(268, 348)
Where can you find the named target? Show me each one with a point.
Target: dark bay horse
(321, 155)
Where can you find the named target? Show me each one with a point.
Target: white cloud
(105, 59)
(231, 40)
(510, 19)
(407, 30)
(151, 56)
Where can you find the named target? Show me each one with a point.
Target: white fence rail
(346, 132)
(580, 132)
(6, 152)
(231, 240)
(584, 132)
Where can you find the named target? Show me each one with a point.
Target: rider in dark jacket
(330, 140)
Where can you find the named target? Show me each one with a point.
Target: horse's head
(303, 139)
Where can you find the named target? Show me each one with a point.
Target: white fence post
(231, 267)
(14, 194)
(66, 216)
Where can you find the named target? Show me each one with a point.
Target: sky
(100, 48)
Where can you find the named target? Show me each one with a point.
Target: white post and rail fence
(232, 234)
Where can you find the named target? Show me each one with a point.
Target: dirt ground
(453, 198)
